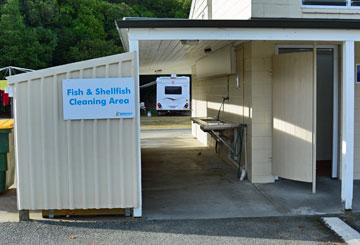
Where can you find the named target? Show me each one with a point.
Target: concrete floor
(182, 179)
(8, 208)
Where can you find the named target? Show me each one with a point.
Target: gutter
(305, 23)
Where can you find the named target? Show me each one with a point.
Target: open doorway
(184, 178)
(325, 111)
(175, 91)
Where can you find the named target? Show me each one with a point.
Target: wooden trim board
(83, 212)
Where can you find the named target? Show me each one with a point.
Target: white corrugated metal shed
(77, 164)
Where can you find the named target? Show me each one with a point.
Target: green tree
(82, 32)
(183, 9)
(21, 45)
(12, 29)
(111, 13)
(44, 13)
(160, 8)
(41, 18)
(42, 33)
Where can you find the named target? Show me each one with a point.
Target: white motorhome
(173, 94)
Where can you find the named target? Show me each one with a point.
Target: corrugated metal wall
(73, 164)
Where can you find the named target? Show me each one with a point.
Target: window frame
(348, 6)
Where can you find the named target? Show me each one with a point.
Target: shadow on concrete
(182, 179)
(266, 229)
(8, 201)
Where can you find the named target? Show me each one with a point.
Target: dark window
(355, 3)
(332, 2)
(294, 50)
(325, 2)
(173, 90)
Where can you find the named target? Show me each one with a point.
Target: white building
(290, 70)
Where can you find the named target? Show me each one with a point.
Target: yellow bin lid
(6, 123)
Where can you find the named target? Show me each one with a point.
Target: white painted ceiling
(167, 57)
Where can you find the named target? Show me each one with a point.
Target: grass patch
(162, 122)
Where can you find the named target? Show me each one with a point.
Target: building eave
(291, 23)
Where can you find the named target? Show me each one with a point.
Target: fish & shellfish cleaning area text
(98, 98)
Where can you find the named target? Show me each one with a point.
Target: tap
(221, 106)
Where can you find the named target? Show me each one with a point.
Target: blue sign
(358, 73)
(98, 98)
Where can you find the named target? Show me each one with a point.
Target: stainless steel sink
(209, 119)
(212, 124)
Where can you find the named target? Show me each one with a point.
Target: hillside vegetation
(43, 33)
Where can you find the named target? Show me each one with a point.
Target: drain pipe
(222, 106)
(243, 171)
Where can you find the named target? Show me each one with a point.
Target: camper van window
(173, 90)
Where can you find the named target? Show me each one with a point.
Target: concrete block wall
(357, 117)
(276, 8)
(294, 9)
(244, 68)
(261, 73)
(250, 103)
(198, 106)
(246, 9)
(262, 53)
(207, 93)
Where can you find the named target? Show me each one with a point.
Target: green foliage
(21, 45)
(43, 13)
(43, 33)
(12, 29)
(111, 13)
(161, 8)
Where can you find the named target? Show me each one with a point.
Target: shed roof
(160, 39)
(308, 23)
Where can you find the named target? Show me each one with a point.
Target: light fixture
(189, 42)
(207, 50)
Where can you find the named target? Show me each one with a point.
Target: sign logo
(98, 98)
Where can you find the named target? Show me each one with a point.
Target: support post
(348, 110)
(314, 118)
(134, 47)
(335, 144)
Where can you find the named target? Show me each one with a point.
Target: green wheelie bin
(4, 149)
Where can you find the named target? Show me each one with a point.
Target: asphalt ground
(280, 230)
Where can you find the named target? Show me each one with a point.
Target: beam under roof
(308, 23)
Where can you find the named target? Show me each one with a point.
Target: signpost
(98, 98)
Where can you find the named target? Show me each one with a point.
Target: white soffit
(171, 56)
